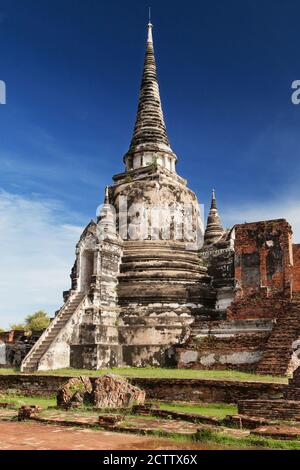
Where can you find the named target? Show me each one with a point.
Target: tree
(18, 326)
(37, 321)
(2, 330)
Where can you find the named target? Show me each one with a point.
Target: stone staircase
(278, 352)
(31, 361)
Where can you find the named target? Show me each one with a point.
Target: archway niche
(86, 269)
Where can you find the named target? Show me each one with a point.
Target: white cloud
(285, 208)
(37, 247)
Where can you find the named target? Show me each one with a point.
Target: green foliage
(2, 330)
(78, 387)
(153, 165)
(128, 179)
(37, 321)
(205, 435)
(18, 326)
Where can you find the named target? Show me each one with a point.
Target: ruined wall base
(148, 333)
(225, 345)
(95, 356)
(187, 390)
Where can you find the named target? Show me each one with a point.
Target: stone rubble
(107, 391)
(26, 412)
(111, 391)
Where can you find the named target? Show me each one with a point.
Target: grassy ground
(218, 410)
(205, 436)
(163, 373)
(244, 443)
(20, 400)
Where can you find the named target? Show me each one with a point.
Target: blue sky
(72, 70)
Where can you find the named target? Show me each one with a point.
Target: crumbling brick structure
(296, 269)
(263, 269)
(14, 345)
(260, 328)
(287, 409)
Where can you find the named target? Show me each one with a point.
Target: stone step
(140, 266)
(50, 334)
(156, 245)
(166, 273)
(154, 253)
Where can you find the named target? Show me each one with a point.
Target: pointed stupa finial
(214, 229)
(150, 139)
(106, 198)
(106, 219)
(213, 200)
(150, 26)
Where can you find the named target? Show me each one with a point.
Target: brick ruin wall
(263, 269)
(270, 409)
(235, 352)
(14, 345)
(296, 269)
(287, 409)
(266, 273)
(188, 390)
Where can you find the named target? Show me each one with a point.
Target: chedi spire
(150, 140)
(106, 219)
(214, 229)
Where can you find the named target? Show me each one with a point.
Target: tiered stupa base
(157, 283)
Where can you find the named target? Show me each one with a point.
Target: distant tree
(2, 330)
(18, 326)
(37, 321)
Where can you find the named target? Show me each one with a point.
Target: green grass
(9, 371)
(209, 437)
(217, 410)
(162, 373)
(21, 400)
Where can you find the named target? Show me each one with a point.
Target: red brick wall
(257, 307)
(11, 336)
(296, 268)
(158, 389)
(263, 269)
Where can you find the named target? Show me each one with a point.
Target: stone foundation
(187, 390)
(271, 409)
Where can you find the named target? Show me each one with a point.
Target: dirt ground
(36, 436)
